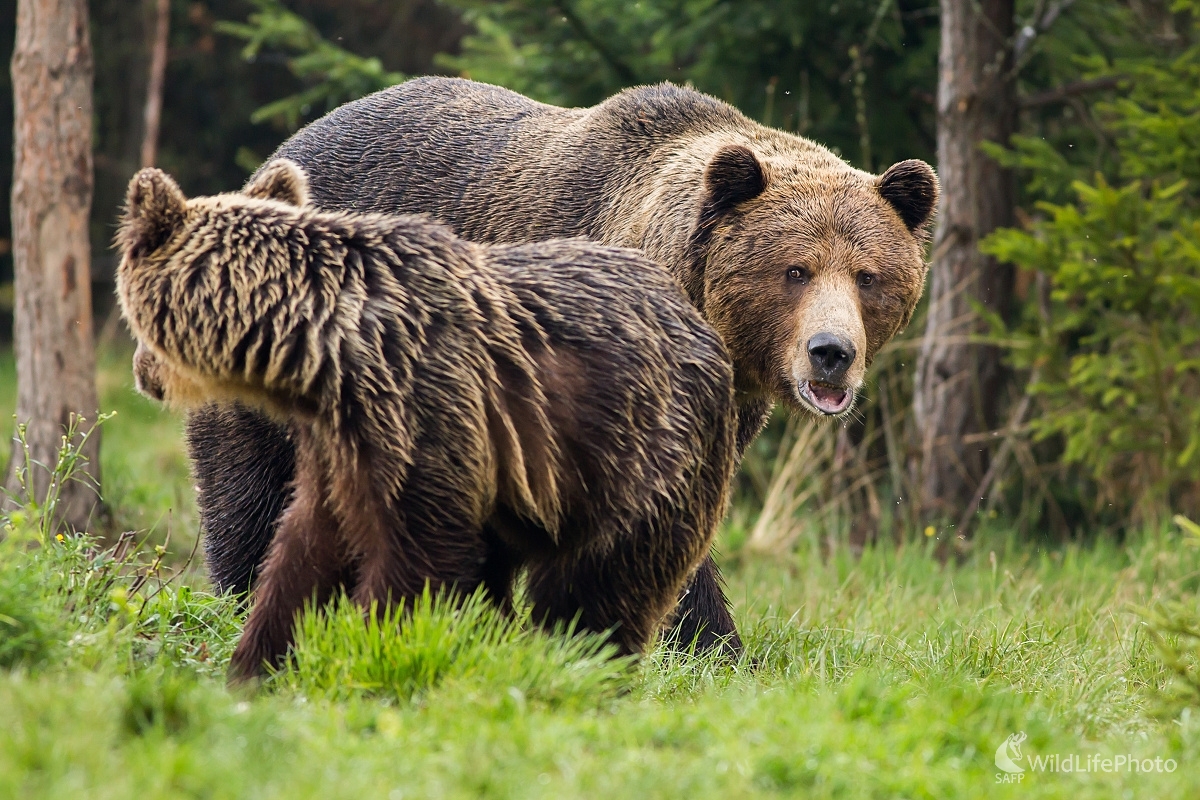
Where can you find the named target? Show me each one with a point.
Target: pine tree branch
(1069, 90)
(623, 71)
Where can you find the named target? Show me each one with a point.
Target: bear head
(157, 218)
(808, 266)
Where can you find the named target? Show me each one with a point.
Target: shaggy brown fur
(459, 412)
(805, 265)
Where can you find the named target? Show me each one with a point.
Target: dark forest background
(1105, 248)
(813, 68)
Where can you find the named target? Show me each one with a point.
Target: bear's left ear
(912, 189)
(154, 208)
(281, 180)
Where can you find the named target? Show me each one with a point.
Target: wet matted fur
(775, 239)
(458, 412)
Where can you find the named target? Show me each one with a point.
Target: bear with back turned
(804, 265)
(460, 412)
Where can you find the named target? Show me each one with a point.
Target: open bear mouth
(826, 398)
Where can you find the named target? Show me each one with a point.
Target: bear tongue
(829, 399)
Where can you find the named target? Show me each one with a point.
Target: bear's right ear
(733, 176)
(281, 180)
(154, 208)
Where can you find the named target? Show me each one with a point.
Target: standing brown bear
(459, 411)
(804, 265)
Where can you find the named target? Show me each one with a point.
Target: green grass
(143, 465)
(882, 674)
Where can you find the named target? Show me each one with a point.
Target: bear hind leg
(306, 562)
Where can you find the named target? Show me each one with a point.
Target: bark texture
(51, 198)
(154, 86)
(959, 383)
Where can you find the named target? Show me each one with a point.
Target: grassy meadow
(880, 673)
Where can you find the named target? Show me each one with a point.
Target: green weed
(398, 654)
(877, 672)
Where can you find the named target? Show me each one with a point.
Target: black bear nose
(831, 356)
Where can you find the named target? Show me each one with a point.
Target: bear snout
(827, 372)
(145, 374)
(830, 356)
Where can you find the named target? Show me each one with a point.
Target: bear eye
(797, 274)
(865, 279)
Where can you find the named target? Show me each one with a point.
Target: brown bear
(459, 412)
(805, 265)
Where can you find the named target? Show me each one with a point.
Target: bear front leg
(702, 622)
(306, 562)
(243, 463)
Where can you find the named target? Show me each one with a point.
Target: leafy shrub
(332, 74)
(1114, 344)
(1175, 628)
(1119, 351)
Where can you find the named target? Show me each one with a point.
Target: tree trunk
(154, 86)
(960, 383)
(51, 198)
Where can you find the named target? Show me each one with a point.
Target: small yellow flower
(59, 537)
(929, 531)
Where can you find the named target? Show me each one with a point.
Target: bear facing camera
(803, 264)
(459, 412)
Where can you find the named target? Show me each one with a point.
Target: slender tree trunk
(959, 383)
(154, 86)
(51, 198)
